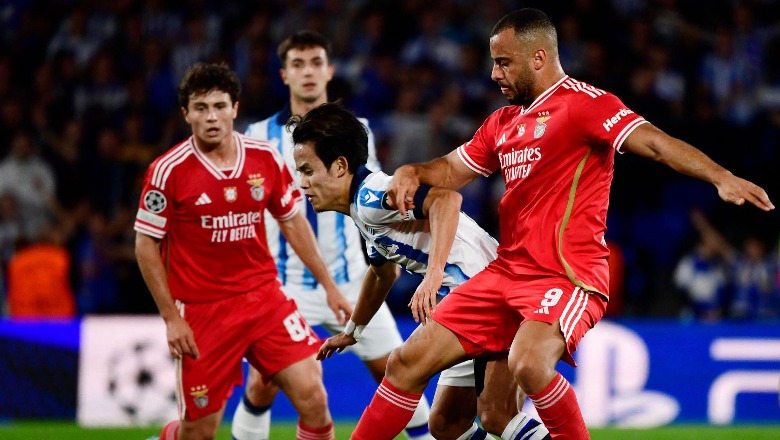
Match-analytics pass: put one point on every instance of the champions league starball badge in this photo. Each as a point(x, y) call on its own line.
point(155, 202)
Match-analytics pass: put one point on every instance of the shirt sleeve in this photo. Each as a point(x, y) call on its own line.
point(372, 206)
point(285, 195)
point(154, 207)
point(605, 120)
point(478, 153)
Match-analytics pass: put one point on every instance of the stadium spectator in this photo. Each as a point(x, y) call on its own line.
point(702, 274)
point(39, 278)
point(29, 178)
point(756, 296)
point(73, 36)
point(201, 211)
point(438, 244)
point(555, 146)
point(306, 70)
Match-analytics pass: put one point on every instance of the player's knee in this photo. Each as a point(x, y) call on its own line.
point(312, 402)
point(260, 394)
point(529, 371)
point(399, 362)
point(442, 427)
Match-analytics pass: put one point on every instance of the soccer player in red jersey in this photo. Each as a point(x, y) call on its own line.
point(202, 251)
point(555, 146)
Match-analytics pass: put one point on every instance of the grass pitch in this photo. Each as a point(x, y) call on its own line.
point(40, 430)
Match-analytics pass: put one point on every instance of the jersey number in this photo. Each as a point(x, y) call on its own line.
point(552, 297)
point(296, 327)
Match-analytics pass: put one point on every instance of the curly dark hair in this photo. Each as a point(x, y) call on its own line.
point(202, 78)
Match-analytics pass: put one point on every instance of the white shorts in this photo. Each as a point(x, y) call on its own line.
point(459, 375)
point(380, 336)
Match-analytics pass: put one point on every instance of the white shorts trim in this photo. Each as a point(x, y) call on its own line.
point(459, 375)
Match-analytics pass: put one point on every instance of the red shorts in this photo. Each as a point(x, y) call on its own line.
point(266, 329)
point(486, 311)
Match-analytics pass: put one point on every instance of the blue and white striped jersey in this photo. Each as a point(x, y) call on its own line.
point(390, 237)
point(338, 238)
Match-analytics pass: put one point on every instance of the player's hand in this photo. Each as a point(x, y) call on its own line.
point(400, 193)
point(335, 344)
point(737, 190)
point(339, 304)
point(423, 302)
point(181, 340)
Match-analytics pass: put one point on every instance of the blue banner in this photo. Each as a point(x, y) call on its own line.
point(630, 373)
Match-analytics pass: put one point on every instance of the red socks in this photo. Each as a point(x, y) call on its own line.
point(306, 433)
point(558, 408)
point(169, 431)
point(387, 414)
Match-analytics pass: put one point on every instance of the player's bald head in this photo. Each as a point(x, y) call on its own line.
point(532, 27)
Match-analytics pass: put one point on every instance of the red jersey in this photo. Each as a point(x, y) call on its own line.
point(211, 220)
point(557, 159)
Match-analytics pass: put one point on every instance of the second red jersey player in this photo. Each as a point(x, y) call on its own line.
point(218, 247)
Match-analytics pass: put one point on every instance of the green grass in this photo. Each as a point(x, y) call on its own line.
point(282, 431)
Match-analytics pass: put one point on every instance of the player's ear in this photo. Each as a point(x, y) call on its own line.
point(540, 58)
point(342, 166)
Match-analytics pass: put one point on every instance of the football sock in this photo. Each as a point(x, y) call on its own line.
point(558, 408)
point(525, 427)
point(473, 433)
point(251, 422)
point(387, 414)
point(169, 431)
point(417, 428)
point(306, 433)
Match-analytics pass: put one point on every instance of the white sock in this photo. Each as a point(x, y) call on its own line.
point(525, 427)
point(249, 426)
point(417, 428)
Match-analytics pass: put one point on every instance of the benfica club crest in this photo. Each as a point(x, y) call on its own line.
point(257, 190)
point(199, 395)
point(540, 126)
point(231, 193)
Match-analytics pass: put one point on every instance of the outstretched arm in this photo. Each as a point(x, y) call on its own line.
point(649, 141)
point(446, 172)
point(442, 208)
point(376, 285)
point(181, 340)
point(298, 233)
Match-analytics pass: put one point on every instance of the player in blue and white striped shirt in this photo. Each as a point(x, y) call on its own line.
point(435, 240)
point(306, 70)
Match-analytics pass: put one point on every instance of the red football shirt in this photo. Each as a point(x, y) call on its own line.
point(211, 220)
point(557, 159)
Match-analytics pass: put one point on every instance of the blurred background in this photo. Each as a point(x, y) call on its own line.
point(87, 100)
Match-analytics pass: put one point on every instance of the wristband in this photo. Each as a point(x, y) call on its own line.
point(353, 330)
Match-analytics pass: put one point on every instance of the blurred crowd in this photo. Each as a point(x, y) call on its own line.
point(87, 100)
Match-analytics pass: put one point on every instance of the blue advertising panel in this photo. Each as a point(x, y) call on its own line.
point(640, 373)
